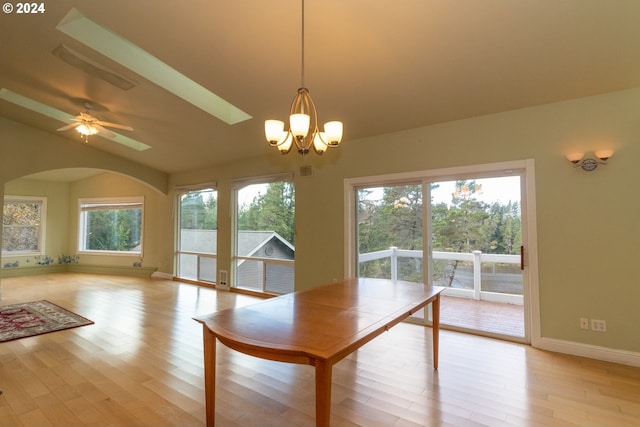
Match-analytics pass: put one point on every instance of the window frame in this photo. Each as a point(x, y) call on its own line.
point(179, 250)
point(108, 201)
point(42, 231)
point(237, 185)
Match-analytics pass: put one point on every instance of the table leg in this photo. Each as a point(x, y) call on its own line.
point(210, 375)
point(435, 314)
point(323, 393)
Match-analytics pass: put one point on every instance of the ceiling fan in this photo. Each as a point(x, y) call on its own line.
point(88, 125)
point(44, 109)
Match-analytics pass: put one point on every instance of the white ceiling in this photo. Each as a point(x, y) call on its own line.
point(377, 65)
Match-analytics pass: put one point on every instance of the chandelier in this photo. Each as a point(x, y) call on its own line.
point(303, 123)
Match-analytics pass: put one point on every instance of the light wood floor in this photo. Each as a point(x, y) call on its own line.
point(141, 365)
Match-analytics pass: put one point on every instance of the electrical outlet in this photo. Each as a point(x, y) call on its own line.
point(599, 325)
point(223, 277)
point(223, 282)
point(584, 323)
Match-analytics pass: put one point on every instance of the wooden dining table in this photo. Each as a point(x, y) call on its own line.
point(317, 327)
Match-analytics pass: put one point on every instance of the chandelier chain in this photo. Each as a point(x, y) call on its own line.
point(302, 50)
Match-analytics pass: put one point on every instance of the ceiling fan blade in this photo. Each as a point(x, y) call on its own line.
point(71, 126)
point(114, 125)
point(104, 131)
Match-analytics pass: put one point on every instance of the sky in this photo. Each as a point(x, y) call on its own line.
point(503, 190)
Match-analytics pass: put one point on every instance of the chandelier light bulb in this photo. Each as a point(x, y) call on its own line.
point(319, 142)
point(299, 125)
point(285, 146)
point(274, 131)
point(333, 131)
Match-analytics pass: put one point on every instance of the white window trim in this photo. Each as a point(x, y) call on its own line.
point(43, 226)
point(182, 189)
point(109, 200)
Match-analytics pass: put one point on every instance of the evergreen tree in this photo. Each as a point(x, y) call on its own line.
point(113, 229)
point(199, 210)
point(272, 211)
point(465, 224)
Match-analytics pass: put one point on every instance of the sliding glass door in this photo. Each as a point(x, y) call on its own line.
point(467, 238)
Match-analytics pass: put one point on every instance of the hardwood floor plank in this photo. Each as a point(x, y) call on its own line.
point(141, 364)
point(7, 417)
point(33, 418)
point(56, 411)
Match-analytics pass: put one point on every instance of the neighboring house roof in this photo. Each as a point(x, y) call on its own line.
point(249, 242)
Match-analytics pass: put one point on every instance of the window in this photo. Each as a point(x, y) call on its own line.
point(197, 234)
point(111, 225)
point(264, 248)
point(23, 225)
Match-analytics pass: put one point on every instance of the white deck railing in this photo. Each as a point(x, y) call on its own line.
point(199, 266)
point(475, 277)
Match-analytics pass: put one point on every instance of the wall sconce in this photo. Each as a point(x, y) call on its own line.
point(589, 164)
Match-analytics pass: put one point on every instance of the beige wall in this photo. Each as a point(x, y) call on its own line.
point(24, 151)
point(588, 231)
point(587, 222)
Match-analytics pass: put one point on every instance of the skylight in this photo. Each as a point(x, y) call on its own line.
point(121, 50)
point(56, 114)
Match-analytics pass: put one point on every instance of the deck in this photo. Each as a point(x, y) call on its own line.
point(484, 316)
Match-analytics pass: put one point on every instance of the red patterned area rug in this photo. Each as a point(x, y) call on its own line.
point(36, 318)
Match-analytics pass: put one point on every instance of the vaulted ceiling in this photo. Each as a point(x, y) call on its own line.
point(378, 65)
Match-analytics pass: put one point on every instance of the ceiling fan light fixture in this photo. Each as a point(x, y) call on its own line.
point(86, 130)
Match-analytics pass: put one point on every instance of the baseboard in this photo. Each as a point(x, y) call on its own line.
point(591, 351)
point(115, 270)
point(161, 275)
point(30, 271)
